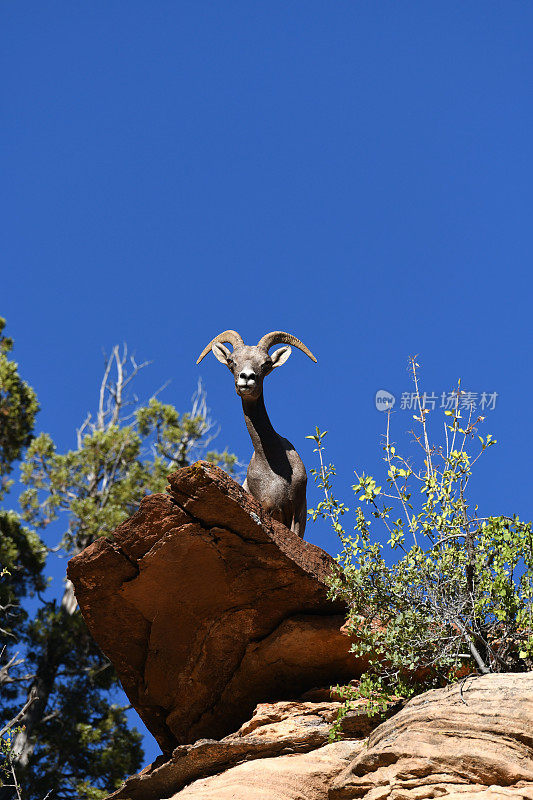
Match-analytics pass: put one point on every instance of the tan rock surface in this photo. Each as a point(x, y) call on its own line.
point(275, 729)
point(473, 739)
point(206, 606)
point(292, 777)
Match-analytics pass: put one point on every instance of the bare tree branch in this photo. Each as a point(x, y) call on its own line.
point(17, 717)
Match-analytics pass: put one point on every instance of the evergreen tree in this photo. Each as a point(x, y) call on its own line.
point(18, 407)
point(73, 740)
point(21, 550)
point(22, 554)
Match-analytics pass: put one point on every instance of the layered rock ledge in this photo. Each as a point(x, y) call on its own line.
point(299, 729)
point(469, 741)
point(207, 607)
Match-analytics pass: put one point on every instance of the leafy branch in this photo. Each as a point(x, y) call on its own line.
point(459, 599)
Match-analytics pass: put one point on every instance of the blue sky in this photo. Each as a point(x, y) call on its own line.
point(356, 173)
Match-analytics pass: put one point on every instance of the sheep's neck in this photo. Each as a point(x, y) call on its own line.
point(267, 443)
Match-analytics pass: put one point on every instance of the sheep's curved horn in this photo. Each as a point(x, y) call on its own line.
point(232, 337)
point(280, 337)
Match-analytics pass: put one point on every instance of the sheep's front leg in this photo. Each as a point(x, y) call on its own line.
point(299, 524)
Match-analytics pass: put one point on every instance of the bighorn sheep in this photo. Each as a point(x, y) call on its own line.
point(276, 475)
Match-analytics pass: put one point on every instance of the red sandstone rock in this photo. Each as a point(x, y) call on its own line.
point(470, 740)
point(206, 606)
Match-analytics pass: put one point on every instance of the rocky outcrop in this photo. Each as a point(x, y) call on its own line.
point(276, 729)
point(206, 607)
point(472, 739)
point(292, 777)
point(209, 609)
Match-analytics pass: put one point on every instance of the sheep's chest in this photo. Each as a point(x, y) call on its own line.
point(273, 491)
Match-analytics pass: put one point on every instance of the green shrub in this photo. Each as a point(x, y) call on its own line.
point(458, 600)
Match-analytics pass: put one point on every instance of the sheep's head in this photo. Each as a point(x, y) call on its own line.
point(250, 364)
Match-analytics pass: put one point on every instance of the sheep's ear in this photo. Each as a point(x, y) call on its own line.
point(221, 352)
point(280, 356)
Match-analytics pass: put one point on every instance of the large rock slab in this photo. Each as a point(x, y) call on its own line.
point(287, 727)
point(283, 728)
point(470, 740)
point(291, 777)
point(206, 607)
